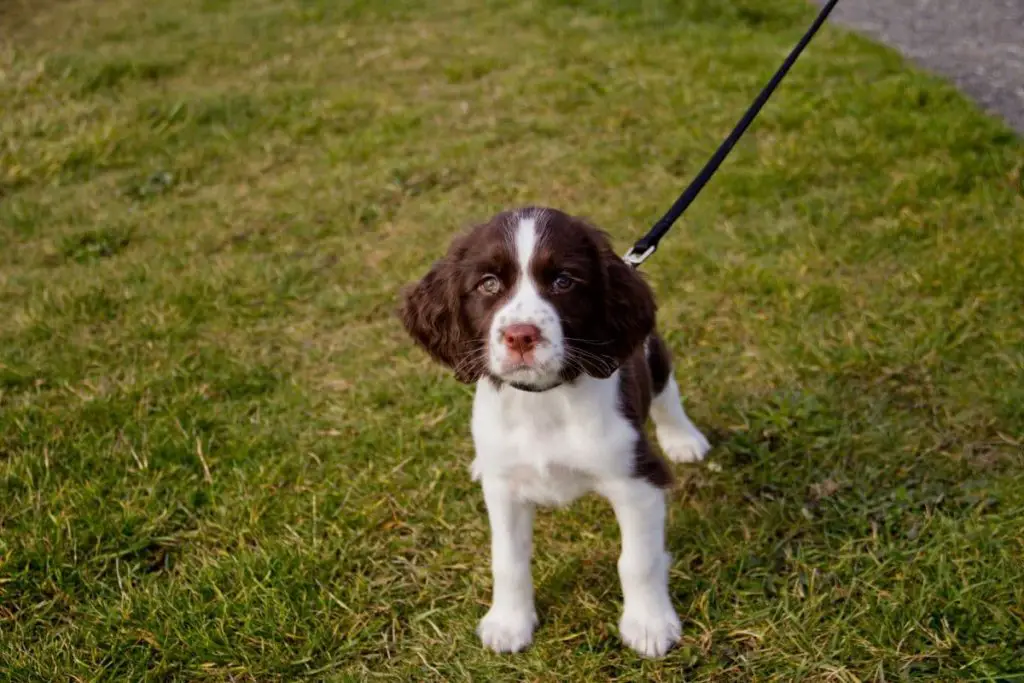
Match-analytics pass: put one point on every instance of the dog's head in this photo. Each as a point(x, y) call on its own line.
point(534, 298)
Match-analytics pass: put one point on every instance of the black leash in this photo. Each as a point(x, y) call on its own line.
point(647, 244)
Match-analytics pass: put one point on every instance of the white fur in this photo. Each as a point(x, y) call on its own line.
point(649, 623)
point(527, 306)
point(509, 624)
point(549, 448)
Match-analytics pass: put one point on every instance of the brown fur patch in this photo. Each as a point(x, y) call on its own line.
point(635, 385)
point(659, 362)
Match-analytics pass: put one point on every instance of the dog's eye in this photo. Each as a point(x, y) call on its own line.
point(490, 285)
point(562, 283)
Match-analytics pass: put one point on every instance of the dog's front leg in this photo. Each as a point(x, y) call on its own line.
point(508, 626)
point(649, 623)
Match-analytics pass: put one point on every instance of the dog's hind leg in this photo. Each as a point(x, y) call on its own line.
point(678, 437)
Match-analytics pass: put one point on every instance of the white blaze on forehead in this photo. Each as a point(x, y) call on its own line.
point(525, 237)
point(527, 305)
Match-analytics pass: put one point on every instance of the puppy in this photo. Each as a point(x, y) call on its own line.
point(557, 332)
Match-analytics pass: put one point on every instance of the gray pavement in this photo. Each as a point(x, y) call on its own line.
point(977, 44)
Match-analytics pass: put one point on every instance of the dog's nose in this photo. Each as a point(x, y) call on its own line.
point(521, 338)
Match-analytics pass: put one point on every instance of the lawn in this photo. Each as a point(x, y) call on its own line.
point(222, 460)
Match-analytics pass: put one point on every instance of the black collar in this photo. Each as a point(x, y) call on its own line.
point(499, 383)
point(534, 390)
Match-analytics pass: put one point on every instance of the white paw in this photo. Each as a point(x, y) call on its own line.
point(680, 446)
point(651, 634)
point(507, 630)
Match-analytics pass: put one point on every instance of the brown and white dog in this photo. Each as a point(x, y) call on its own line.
point(557, 332)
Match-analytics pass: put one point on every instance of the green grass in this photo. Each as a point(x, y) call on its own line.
point(221, 459)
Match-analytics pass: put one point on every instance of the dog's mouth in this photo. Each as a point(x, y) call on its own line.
point(521, 365)
point(521, 372)
point(530, 382)
point(530, 375)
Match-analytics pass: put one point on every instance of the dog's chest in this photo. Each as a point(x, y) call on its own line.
point(551, 447)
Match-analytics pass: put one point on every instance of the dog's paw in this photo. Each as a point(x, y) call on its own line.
point(650, 633)
point(683, 446)
point(507, 630)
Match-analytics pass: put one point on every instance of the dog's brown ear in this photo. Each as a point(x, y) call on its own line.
point(629, 304)
point(431, 312)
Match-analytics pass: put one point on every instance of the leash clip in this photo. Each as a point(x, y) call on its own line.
point(634, 259)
